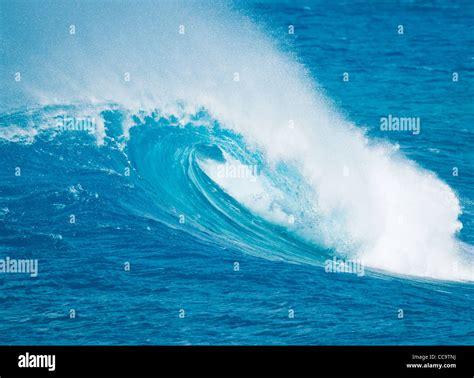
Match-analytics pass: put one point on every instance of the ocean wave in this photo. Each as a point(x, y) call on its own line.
point(185, 119)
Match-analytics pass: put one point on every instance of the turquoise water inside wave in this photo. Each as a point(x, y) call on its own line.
point(162, 251)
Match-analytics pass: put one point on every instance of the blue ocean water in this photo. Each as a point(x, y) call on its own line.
point(140, 225)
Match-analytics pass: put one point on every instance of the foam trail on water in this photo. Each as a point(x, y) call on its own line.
point(365, 199)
